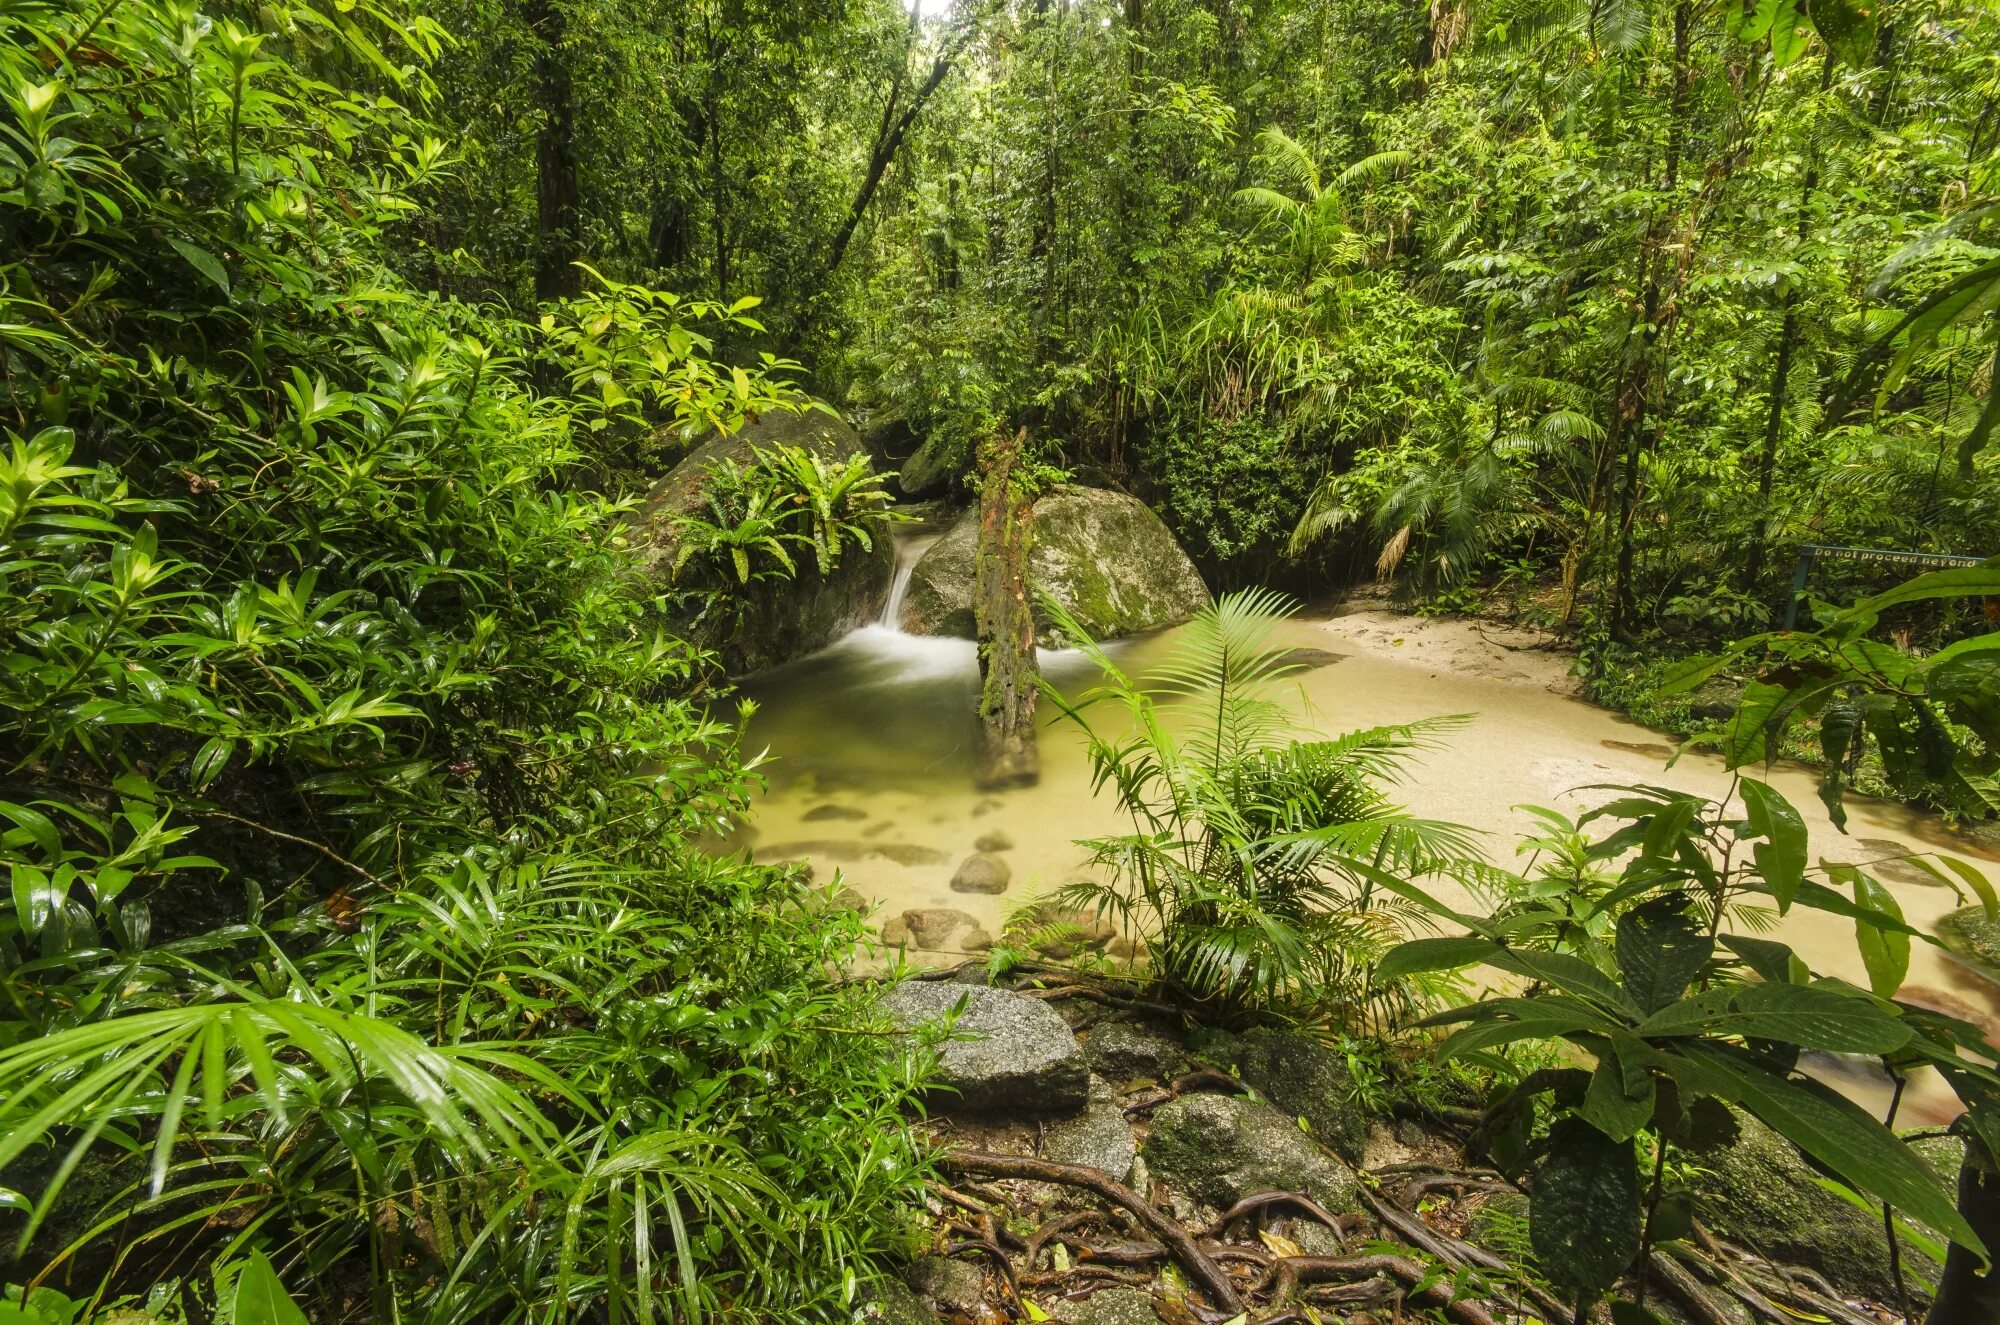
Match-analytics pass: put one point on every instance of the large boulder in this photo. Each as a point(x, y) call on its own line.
point(1103, 555)
point(775, 620)
point(1010, 1054)
point(1221, 1148)
point(935, 467)
point(1123, 1053)
point(1759, 1190)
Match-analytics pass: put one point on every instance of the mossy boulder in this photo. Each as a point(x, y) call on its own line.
point(771, 621)
point(1968, 935)
point(1009, 1054)
point(1103, 555)
point(1760, 1191)
point(1221, 1148)
point(935, 467)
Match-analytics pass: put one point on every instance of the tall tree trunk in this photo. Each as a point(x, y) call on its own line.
point(558, 210)
point(1005, 620)
point(1634, 399)
point(1781, 368)
point(1966, 1295)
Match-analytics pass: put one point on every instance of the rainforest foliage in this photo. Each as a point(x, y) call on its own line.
point(359, 957)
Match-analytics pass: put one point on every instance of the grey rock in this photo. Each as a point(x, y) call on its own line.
point(1308, 1080)
point(1103, 555)
point(1759, 1190)
point(1122, 1052)
point(982, 872)
point(1098, 1138)
point(994, 842)
point(1020, 1056)
point(946, 1284)
point(1109, 1306)
point(976, 940)
point(932, 928)
point(1220, 1149)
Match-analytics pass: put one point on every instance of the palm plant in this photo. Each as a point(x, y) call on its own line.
point(1261, 870)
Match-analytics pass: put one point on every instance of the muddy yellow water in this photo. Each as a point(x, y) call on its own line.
point(871, 774)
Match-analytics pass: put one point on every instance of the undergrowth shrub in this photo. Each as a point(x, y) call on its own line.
point(350, 775)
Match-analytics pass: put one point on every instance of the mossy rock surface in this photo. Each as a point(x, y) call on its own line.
point(1307, 1080)
point(1105, 556)
point(934, 469)
point(1975, 940)
point(1222, 1148)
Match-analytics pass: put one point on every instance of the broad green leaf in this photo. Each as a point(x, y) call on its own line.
point(204, 262)
point(1744, 740)
point(1976, 881)
point(1978, 581)
point(1816, 1017)
point(260, 1299)
point(1770, 959)
point(1584, 1222)
point(1838, 1134)
point(1660, 952)
point(1781, 854)
point(1618, 1101)
point(1885, 953)
point(1436, 954)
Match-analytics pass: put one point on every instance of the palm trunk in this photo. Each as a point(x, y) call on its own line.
point(558, 207)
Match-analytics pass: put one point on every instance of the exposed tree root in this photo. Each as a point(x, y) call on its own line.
point(1204, 1272)
point(1294, 1271)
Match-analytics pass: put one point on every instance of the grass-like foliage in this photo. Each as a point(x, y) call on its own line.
point(355, 948)
point(1263, 871)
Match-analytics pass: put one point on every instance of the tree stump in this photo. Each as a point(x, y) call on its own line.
point(1004, 620)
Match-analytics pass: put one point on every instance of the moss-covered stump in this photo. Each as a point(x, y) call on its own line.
point(1220, 1149)
point(772, 621)
point(1760, 1191)
point(1103, 555)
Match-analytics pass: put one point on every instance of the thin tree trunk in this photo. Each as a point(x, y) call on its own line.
point(1634, 399)
point(1004, 620)
point(1781, 368)
point(557, 207)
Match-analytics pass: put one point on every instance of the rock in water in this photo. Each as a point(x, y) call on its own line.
point(994, 842)
point(777, 620)
point(928, 927)
point(1308, 1080)
point(1103, 555)
point(1758, 1190)
point(1220, 1149)
point(1969, 935)
point(1109, 1306)
point(1019, 1057)
point(1097, 1138)
point(982, 872)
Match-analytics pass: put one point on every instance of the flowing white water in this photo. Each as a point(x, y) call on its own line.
point(908, 551)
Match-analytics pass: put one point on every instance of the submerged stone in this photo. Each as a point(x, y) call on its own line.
point(1221, 1148)
point(1970, 936)
point(822, 813)
point(994, 842)
point(929, 928)
point(1016, 1055)
point(982, 872)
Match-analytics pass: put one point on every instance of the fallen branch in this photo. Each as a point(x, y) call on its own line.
point(1688, 1291)
point(1454, 1252)
point(1251, 1204)
point(1203, 1271)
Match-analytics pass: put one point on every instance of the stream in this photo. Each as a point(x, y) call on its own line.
point(871, 772)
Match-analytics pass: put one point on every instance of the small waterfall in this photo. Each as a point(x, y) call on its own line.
point(909, 551)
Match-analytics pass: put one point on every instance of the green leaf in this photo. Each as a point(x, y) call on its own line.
point(1631, 1313)
point(204, 262)
point(1781, 855)
point(1885, 953)
point(1837, 1134)
point(1619, 1099)
point(1847, 28)
point(1438, 954)
point(1981, 581)
point(1816, 1017)
point(1660, 952)
point(1743, 741)
point(260, 1298)
point(1770, 959)
point(1975, 881)
point(1584, 1223)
